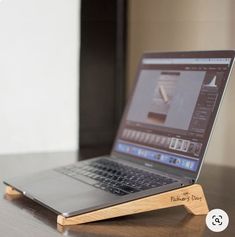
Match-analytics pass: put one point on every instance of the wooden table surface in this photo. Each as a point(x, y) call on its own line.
point(24, 218)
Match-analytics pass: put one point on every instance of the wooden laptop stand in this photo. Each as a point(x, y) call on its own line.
point(191, 197)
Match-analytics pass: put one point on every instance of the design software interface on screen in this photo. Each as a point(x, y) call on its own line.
point(170, 110)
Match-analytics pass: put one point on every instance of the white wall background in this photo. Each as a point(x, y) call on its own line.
point(188, 25)
point(39, 42)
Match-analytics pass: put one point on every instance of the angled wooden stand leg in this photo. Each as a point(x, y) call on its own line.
point(11, 191)
point(192, 197)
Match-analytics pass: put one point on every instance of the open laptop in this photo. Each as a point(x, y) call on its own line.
point(161, 141)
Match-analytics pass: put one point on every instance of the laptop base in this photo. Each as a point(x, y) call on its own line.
point(191, 197)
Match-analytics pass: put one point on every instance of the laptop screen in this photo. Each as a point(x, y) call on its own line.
point(172, 108)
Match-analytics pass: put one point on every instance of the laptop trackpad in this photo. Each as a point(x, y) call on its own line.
point(64, 194)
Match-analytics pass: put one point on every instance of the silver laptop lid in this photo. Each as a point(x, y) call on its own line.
point(169, 116)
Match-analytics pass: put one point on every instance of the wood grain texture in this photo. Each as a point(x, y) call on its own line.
point(192, 197)
point(186, 223)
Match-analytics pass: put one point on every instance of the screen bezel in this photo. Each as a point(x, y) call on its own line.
point(193, 175)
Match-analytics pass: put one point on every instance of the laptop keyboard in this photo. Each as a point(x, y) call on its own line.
point(114, 177)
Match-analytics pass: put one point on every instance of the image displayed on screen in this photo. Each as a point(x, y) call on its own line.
point(166, 98)
point(170, 112)
point(163, 96)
